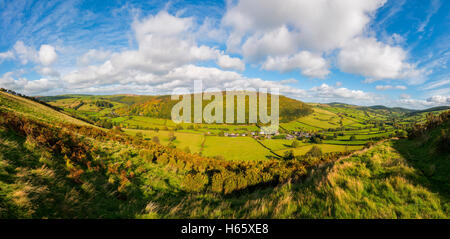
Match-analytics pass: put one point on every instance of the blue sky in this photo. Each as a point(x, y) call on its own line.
point(393, 53)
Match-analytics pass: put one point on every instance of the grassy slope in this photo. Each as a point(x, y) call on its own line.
point(326, 148)
point(34, 110)
point(380, 183)
point(426, 154)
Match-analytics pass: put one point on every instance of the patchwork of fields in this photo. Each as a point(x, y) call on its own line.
point(341, 128)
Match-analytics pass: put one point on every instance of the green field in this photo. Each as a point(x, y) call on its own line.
point(182, 141)
point(326, 148)
point(239, 148)
point(279, 144)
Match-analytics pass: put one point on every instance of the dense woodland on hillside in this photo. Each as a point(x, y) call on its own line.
point(56, 166)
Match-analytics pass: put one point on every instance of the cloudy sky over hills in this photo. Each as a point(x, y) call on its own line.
point(368, 52)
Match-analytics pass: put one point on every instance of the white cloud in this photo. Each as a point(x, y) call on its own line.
point(26, 86)
point(274, 43)
point(7, 81)
point(320, 24)
point(48, 71)
point(376, 61)
point(47, 55)
point(273, 33)
point(165, 42)
point(325, 91)
point(279, 35)
point(6, 55)
point(405, 96)
point(437, 84)
point(166, 45)
point(395, 39)
point(311, 65)
point(289, 81)
point(435, 5)
point(230, 63)
point(25, 53)
point(390, 87)
point(93, 56)
point(39, 86)
point(439, 99)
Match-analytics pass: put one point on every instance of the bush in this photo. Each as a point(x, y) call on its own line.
point(288, 155)
point(139, 135)
point(172, 136)
point(314, 152)
point(155, 139)
point(195, 182)
point(315, 140)
point(217, 183)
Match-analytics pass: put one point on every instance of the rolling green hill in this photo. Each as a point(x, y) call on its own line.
point(160, 106)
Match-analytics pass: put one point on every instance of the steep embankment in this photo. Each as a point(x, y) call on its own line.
point(379, 183)
point(34, 110)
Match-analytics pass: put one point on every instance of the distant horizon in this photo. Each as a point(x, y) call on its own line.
point(307, 102)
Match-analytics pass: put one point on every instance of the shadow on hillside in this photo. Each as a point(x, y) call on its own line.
point(434, 166)
point(39, 178)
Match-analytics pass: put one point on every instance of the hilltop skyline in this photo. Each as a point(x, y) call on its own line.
point(392, 53)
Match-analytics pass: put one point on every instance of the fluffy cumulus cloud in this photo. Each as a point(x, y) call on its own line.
point(320, 24)
point(278, 36)
point(325, 91)
point(165, 44)
point(376, 60)
point(6, 55)
point(310, 64)
point(25, 53)
point(226, 62)
point(47, 55)
point(9, 80)
point(41, 85)
point(93, 56)
point(48, 71)
point(437, 100)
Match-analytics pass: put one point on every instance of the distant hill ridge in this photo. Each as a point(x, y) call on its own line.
point(160, 106)
point(391, 109)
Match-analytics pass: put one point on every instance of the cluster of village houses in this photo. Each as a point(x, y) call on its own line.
point(292, 135)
